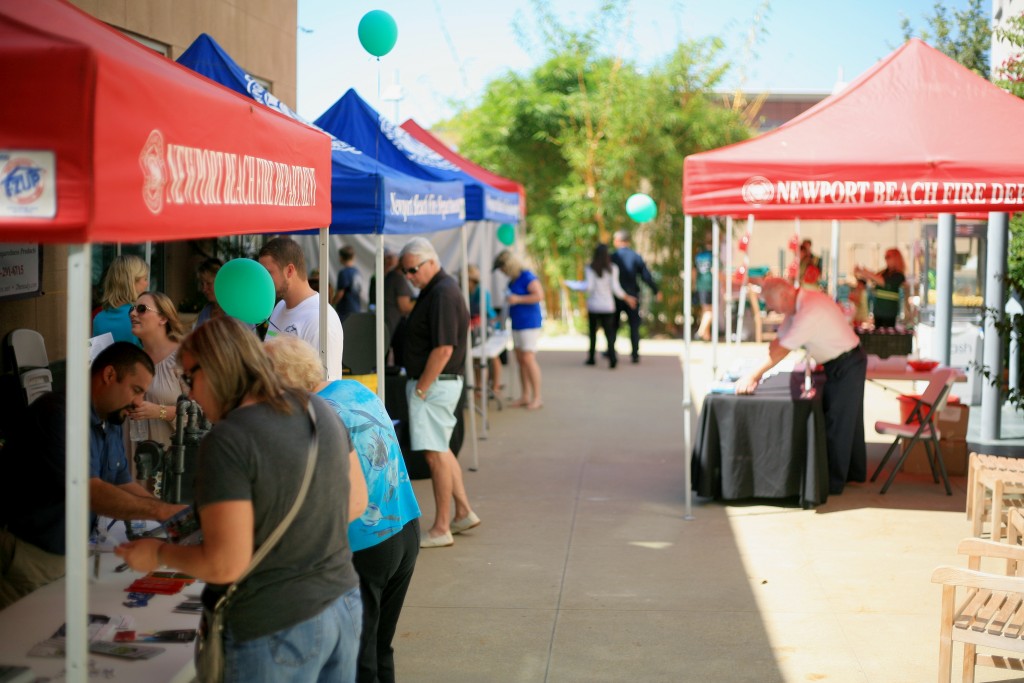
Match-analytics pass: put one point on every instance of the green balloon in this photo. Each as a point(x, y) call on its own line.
point(378, 32)
point(506, 234)
point(245, 290)
point(641, 208)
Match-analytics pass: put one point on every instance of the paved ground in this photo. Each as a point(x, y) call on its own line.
point(584, 568)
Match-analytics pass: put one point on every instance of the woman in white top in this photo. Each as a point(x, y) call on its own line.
point(602, 289)
point(156, 323)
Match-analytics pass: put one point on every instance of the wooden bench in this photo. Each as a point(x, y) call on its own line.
point(981, 608)
point(994, 484)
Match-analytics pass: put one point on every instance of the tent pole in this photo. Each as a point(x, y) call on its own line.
point(378, 319)
point(715, 302)
point(945, 247)
point(687, 365)
point(76, 477)
point(467, 386)
point(833, 276)
point(995, 300)
point(728, 281)
point(796, 275)
point(325, 296)
point(744, 287)
point(483, 345)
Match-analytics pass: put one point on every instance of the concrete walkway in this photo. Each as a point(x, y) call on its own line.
point(584, 568)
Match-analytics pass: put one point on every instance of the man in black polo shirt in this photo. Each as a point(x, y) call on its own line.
point(435, 356)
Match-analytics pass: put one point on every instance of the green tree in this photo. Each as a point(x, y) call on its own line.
point(585, 129)
point(966, 37)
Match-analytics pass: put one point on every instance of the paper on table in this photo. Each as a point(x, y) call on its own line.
point(721, 387)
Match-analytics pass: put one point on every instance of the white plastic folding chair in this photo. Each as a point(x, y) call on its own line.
point(920, 426)
point(28, 360)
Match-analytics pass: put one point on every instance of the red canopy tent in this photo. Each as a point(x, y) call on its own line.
point(916, 134)
point(125, 145)
point(102, 139)
point(479, 172)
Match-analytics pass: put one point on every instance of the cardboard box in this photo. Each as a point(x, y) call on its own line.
point(954, 454)
point(953, 422)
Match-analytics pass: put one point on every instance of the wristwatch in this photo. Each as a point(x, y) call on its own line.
point(421, 393)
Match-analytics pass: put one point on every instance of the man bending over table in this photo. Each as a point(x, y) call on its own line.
point(32, 534)
point(818, 324)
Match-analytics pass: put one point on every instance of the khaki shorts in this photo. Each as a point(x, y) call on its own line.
point(526, 340)
point(432, 418)
point(24, 568)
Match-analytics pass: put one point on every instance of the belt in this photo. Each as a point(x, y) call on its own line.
point(843, 355)
point(442, 377)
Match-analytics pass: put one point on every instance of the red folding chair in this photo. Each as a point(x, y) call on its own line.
point(922, 425)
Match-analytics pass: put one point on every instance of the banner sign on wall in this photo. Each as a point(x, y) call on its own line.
point(21, 270)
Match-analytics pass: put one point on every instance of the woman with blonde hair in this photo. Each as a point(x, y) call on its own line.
point(524, 296)
point(126, 278)
point(296, 614)
point(385, 539)
point(155, 322)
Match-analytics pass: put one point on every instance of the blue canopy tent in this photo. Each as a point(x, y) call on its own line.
point(355, 120)
point(367, 195)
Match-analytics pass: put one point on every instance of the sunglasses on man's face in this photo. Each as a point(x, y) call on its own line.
point(140, 309)
point(415, 269)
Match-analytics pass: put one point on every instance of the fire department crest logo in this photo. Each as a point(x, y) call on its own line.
point(758, 190)
point(154, 171)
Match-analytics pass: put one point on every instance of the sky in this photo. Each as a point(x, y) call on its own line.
point(448, 50)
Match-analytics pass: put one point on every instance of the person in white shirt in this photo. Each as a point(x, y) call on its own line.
point(816, 322)
point(602, 289)
point(298, 310)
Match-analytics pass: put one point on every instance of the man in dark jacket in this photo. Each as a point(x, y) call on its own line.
point(631, 269)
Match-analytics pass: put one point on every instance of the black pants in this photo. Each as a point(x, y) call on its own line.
point(609, 322)
point(385, 571)
point(843, 401)
point(633, 317)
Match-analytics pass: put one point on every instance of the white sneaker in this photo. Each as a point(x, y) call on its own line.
point(466, 523)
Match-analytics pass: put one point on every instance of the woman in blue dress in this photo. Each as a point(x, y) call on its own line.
point(524, 296)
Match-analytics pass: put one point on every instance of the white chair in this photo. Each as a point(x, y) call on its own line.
point(27, 352)
point(920, 427)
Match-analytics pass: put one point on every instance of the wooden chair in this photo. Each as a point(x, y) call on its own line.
point(766, 323)
point(994, 484)
point(981, 608)
point(920, 427)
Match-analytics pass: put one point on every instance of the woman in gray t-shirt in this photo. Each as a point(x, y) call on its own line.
point(303, 598)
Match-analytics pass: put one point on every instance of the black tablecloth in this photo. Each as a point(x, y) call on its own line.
point(768, 445)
